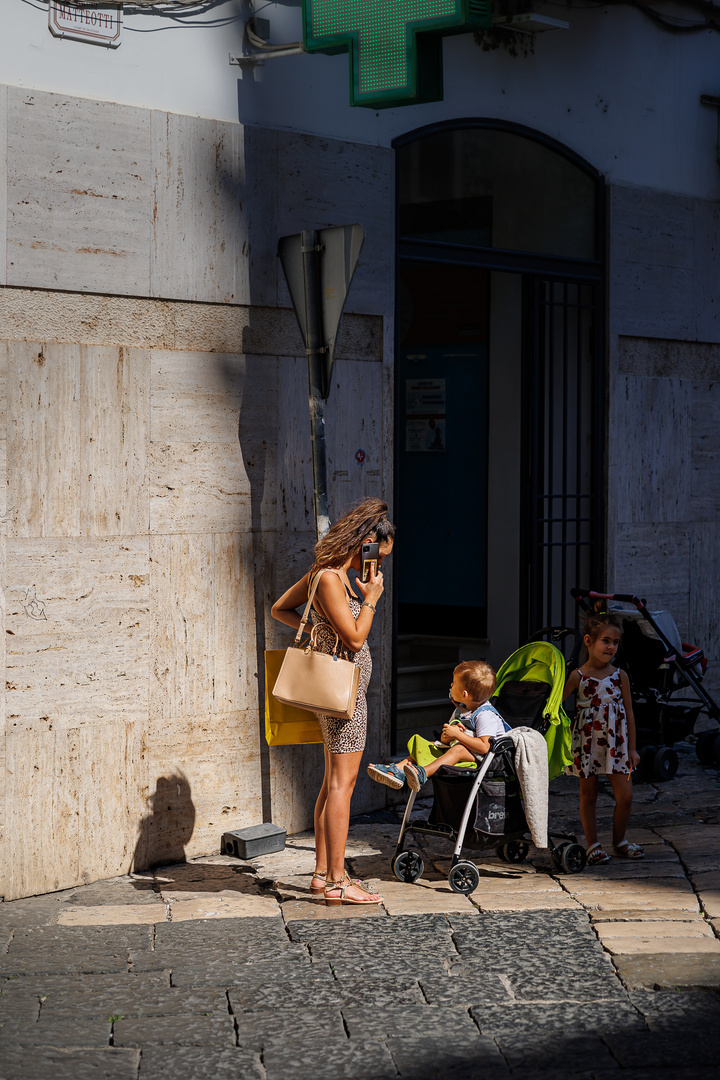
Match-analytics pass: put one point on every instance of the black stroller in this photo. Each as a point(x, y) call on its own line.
point(482, 807)
point(662, 670)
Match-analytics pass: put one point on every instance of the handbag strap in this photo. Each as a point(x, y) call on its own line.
point(306, 612)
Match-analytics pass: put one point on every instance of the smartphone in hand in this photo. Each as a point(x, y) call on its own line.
point(370, 560)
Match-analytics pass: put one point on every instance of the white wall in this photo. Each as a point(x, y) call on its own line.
point(614, 87)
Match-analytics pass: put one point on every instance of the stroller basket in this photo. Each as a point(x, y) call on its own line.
point(497, 813)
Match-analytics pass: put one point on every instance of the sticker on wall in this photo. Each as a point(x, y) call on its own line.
point(360, 457)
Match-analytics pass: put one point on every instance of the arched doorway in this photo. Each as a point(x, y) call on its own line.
point(499, 391)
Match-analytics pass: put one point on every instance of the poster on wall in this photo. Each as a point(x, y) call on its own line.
point(425, 415)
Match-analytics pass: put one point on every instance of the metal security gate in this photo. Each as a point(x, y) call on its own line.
point(564, 394)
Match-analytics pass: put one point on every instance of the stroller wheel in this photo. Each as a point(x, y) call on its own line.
point(513, 851)
point(408, 866)
point(573, 858)
point(464, 878)
point(664, 764)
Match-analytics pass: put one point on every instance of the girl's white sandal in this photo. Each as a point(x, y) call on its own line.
point(597, 855)
point(624, 850)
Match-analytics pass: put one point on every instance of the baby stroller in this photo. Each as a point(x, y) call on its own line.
point(661, 669)
point(480, 806)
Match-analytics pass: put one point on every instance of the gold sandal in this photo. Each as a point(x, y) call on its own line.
point(314, 890)
point(343, 885)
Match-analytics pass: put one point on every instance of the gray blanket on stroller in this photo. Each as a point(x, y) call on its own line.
point(531, 766)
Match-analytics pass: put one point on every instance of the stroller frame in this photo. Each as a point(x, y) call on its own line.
point(662, 762)
point(464, 876)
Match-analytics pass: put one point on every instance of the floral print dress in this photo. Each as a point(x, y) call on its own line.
point(599, 729)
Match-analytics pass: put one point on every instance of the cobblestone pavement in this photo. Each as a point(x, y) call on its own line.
point(224, 969)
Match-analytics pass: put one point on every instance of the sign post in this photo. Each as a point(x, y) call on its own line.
point(319, 266)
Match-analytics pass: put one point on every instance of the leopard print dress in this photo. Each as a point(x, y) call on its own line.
point(344, 736)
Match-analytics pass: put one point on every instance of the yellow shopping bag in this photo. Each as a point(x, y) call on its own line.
point(284, 724)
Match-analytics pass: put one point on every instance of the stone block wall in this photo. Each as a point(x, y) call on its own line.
point(155, 459)
point(663, 487)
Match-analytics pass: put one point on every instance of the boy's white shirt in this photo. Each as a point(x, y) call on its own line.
point(481, 722)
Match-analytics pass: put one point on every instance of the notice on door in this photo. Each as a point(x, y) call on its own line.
point(425, 415)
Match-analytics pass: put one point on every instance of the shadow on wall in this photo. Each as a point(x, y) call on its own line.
point(165, 831)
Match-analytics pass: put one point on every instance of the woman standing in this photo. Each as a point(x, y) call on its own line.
point(337, 610)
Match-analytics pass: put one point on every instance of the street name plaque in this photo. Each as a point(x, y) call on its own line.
point(98, 26)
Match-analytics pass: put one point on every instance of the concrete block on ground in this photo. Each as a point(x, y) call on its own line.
point(254, 840)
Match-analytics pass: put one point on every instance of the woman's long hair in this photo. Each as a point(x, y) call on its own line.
point(344, 538)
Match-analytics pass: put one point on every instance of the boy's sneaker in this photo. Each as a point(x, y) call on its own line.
point(389, 775)
point(415, 776)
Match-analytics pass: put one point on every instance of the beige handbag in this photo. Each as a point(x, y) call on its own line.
point(316, 681)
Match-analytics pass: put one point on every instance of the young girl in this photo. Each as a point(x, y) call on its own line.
point(603, 736)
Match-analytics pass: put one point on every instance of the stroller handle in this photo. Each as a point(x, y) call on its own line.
point(590, 594)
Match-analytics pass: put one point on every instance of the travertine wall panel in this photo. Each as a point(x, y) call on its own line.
point(80, 194)
point(653, 456)
point(42, 848)
point(704, 625)
point(200, 224)
point(3, 579)
point(705, 452)
point(653, 561)
point(203, 598)
point(354, 427)
point(114, 426)
point(78, 622)
point(85, 412)
point(3, 183)
point(45, 414)
point(213, 768)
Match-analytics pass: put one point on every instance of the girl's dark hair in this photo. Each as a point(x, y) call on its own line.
point(344, 538)
point(593, 624)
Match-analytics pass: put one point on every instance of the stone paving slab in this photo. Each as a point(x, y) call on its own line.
point(552, 1054)
point(41, 961)
point(421, 1055)
point(255, 1029)
point(642, 944)
point(54, 1063)
point(668, 1010)
point(663, 971)
point(658, 1049)
point(111, 914)
point(200, 1063)
point(70, 1032)
point(527, 1021)
point(121, 1002)
point(303, 1060)
point(210, 1030)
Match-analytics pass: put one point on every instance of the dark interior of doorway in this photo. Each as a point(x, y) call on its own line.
point(442, 400)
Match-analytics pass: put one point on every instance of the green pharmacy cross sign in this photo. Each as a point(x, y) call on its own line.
point(395, 46)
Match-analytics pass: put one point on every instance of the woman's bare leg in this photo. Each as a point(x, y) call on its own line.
point(343, 771)
point(320, 838)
